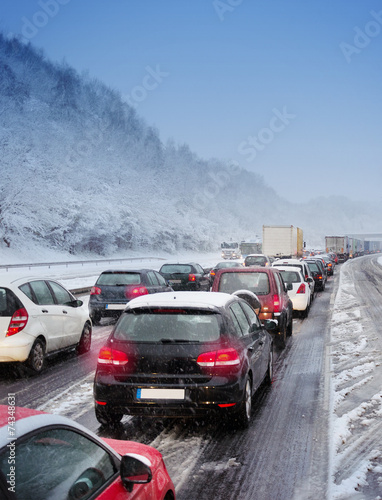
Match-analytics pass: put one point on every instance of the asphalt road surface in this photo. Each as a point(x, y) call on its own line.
point(282, 455)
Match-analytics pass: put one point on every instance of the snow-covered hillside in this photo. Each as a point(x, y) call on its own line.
point(81, 172)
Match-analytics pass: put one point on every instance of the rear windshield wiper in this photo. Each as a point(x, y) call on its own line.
point(178, 341)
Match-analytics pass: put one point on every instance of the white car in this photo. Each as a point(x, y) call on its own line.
point(298, 289)
point(304, 268)
point(39, 317)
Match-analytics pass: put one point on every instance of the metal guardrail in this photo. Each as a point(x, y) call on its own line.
point(76, 262)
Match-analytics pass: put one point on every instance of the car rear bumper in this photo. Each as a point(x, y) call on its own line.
point(15, 348)
point(197, 401)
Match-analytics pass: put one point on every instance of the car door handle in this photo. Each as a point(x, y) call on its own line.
point(44, 310)
point(65, 312)
point(250, 349)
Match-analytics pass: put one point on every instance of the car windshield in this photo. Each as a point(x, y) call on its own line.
point(290, 276)
point(119, 278)
point(165, 325)
point(257, 282)
point(176, 269)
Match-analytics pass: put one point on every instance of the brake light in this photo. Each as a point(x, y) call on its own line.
point(132, 291)
point(95, 290)
point(212, 273)
point(110, 356)
point(191, 277)
point(276, 303)
point(301, 288)
point(18, 322)
point(222, 357)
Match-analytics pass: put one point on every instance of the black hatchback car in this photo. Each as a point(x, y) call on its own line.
point(115, 288)
point(186, 277)
point(183, 354)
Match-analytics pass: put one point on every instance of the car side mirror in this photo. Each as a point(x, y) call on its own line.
point(75, 303)
point(271, 325)
point(134, 469)
point(289, 286)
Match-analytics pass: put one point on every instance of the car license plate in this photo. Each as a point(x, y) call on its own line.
point(160, 394)
point(115, 307)
point(175, 281)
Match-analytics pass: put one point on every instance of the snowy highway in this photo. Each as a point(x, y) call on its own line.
point(315, 434)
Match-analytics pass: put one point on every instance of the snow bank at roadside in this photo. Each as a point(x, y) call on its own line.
point(356, 399)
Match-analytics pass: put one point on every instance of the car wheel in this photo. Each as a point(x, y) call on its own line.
point(244, 414)
point(289, 328)
point(269, 374)
point(281, 337)
point(37, 356)
point(107, 418)
point(96, 317)
point(304, 314)
point(85, 340)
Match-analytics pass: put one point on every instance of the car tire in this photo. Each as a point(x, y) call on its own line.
point(243, 415)
point(289, 328)
point(304, 314)
point(85, 340)
point(281, 337)
point(36, 358)
point(269, 374)
point(107, 418)
point(96, 318)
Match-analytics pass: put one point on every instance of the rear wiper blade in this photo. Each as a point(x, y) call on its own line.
point(177, 341)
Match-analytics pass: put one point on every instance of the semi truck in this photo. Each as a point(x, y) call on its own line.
point(338, 244)
point(346, 247)
point(248, 247)
point(283, 241)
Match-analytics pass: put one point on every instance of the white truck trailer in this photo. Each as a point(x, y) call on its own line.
point(283, 241)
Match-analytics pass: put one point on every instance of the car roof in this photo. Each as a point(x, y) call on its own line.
point(257, 255)
point(180, 263)
point(289, 268)
point(287, 261)
point(202, 300)
point(28, 420)
point(127, 271)
point(20, 280)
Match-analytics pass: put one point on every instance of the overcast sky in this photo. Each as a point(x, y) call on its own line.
point(291, 89)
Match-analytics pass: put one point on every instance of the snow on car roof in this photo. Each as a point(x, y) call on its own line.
point(181, 299)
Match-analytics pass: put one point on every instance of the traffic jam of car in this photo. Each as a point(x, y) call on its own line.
point(185, 342)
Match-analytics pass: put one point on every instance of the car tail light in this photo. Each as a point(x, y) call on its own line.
point(212, 273)
point(301, 288)
point(95, 290)
point(191, 277)
point(276, 303)
point(110, 356)
point(18, 322)
point(222, 357)
point(132, 291)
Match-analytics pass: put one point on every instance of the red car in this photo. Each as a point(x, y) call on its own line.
point(268, 285)
point(44, 456)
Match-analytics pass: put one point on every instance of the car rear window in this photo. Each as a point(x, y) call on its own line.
point(313, 267)
point(176, 268)
point(9, 303)
point(164, 325)
point(257, 282)
point(290, 276)
point(119, 278)
point(253, 261)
